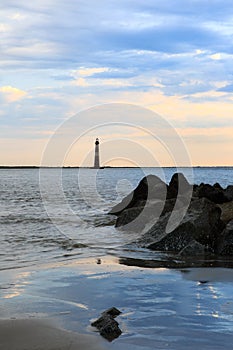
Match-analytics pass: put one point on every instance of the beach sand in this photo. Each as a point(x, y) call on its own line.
point(28, 334)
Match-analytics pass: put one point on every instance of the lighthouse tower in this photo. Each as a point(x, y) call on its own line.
point(97, 155)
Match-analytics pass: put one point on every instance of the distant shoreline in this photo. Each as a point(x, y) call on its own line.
point(107, 167)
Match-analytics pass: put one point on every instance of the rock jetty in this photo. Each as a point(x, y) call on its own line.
point(190, 220)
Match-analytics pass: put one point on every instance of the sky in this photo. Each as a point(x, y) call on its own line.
point(60, 59)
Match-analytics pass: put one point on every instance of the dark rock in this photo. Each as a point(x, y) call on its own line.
point(112, 311)
point(107, 325)
point(150, 187)
point(129, 215)
point(193, 248)
point(229, 192)
point(156, 188)
point(124, 204)
point(226, 244)
point(227, 211)
point(195, 191)
point(179, 218)
point(214, 193)
point(181, 203)
point(201, 223)
point(206, 217)
point(155, 233)
point(176, 240)
point(178, 184)
point(218, 186)
point(136, 219)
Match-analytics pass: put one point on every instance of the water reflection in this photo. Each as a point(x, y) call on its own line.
point(161, 308)
point(209, 274)
point(203, 267)
point(18, 286)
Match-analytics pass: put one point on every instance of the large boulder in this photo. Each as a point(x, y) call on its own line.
point(136, 219)
point(139, 218)
point(151, 187)
point(201, 224)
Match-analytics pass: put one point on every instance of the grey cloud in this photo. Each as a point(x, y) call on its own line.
point(62, 77)
point(80, 30)
point(115, 74)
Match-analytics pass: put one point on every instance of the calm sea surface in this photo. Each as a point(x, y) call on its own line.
point(57, 214)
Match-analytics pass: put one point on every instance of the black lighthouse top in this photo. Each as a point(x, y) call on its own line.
point(97, 141)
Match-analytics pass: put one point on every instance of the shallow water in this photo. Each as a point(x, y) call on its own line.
point(60, 214)
point(161, 308)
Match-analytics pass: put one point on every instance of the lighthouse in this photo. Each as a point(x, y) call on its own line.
point(97, 155)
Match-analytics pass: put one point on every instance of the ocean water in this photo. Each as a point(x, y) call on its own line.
point(62, 257)
point(53, 215)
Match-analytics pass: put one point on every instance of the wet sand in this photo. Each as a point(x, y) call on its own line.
point(27, 334)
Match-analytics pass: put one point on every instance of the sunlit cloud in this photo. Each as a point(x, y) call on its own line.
point(89, 71)
point(216, 56)
point(11, 94)
point(17, 16)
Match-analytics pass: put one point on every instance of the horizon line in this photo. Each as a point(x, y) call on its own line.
point(107, 167)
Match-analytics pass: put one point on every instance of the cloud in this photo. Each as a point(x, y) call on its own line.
point(216, 56)
point(86, 72)
point(114, 73)
point(65, 30)
point(60, 57)
point(11, 94)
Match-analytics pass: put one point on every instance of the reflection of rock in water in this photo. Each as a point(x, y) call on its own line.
point(173, 261)
point(209, 274)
